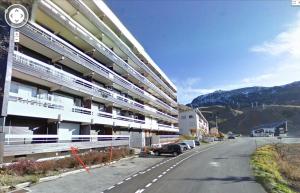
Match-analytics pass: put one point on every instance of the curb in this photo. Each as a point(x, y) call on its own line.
point(50, 178)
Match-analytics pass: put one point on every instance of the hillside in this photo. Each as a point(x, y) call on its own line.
point(243, 120)
point(252, 96)
point(242, 109)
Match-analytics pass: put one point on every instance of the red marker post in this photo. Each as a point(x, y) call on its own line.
point(74, 152)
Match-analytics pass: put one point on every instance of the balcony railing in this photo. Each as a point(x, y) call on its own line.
point(39, 69)
point(52, 10)
point(106, 30)
point(51, 41)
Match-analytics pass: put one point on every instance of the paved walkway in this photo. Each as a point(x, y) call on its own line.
point(99, 179)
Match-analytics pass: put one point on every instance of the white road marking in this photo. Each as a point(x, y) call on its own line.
point(140, 191)
point(164, 173)
point(110, 188)
point(120, 182)
point(168, 169)
point(128, 178)
point(148, 185)
point(148, 170)
point(135, 175)
point(154, 180)
point(214, 164)
point(159, 176)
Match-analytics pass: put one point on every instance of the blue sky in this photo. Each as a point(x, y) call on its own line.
point(205, 46)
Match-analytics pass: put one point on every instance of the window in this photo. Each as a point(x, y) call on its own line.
point(42, 94)
point(14, 87)
point(191, 116)
point(183, 117)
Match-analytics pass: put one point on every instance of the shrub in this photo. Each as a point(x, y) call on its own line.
point(22, 167)
point(45, 166)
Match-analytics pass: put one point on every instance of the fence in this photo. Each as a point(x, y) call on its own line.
point(32, 144)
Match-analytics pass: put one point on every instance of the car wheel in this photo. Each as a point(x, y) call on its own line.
point(175, 153)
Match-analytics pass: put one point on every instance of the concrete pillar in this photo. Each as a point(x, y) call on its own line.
point(2, 138)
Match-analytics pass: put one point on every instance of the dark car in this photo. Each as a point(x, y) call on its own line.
point(174, 149)
point(231, 137)
point(197, 143)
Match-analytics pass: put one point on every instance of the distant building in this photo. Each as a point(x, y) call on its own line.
point(192, 122)
point(268, 130)
point(214, 131)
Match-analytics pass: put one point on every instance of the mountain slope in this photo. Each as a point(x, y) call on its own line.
point(252, 96)
point(242, 109)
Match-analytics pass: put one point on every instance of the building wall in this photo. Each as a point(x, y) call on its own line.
point(79, 76)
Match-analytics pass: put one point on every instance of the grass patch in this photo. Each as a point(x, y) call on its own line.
point(267, 170)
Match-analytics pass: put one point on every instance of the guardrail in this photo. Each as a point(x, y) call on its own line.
point(37, 68)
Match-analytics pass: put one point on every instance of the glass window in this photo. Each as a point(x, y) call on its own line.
point(101, 107)
point(191, 116)
point(14, 87)
point(77, 102)
point(42, 94)
point(183, 117)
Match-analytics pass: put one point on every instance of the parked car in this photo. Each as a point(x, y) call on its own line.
point(231, 137)
point(184, 146)
point(190, 142)
point(197, 143)
point(174, 149)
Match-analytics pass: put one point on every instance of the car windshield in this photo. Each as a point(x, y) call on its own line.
point(140, 96)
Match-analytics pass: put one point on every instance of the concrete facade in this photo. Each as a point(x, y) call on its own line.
point(192, 122)
point(77, 70)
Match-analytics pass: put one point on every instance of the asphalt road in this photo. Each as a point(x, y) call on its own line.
point(222, 168)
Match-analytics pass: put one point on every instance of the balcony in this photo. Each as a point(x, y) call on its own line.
point(53, 11)
point(40, 70)
point(93, 18)
point(58, 45)
point(40, 108)
point(163, 127)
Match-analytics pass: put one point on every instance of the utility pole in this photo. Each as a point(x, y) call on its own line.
point(217, 122)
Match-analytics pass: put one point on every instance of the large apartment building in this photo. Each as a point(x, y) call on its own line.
point(76, 70)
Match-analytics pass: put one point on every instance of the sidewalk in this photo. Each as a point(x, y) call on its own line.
point(99, 179)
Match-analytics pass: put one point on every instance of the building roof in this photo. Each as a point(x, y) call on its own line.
point(271, 125)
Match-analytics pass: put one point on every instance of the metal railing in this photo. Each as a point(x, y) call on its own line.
point(106, 30)
point(74, 109)
point(77, 29)
point(12, 139)
point(55, 43)
point(37, 68)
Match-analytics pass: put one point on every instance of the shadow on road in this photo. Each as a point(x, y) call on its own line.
point(232, 179)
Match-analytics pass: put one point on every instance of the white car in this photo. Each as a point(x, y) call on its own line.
point(191, 143)
point(184, 146)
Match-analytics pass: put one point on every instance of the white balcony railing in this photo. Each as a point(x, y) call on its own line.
point(63, 18)
point(55, 43)
point(87, 12)
point(47, 72)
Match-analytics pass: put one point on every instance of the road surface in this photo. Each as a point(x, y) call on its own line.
point(223, 168)
point(215, 168)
